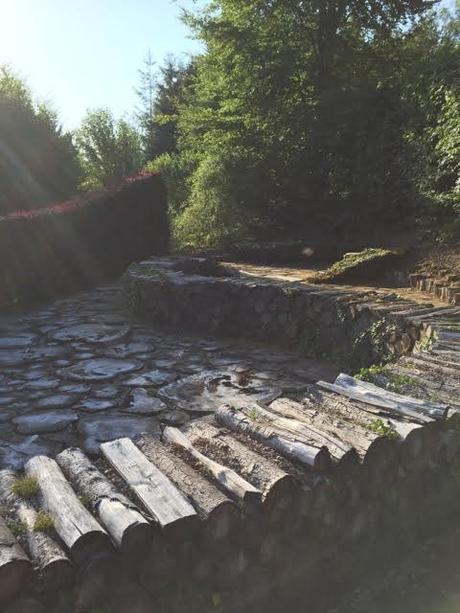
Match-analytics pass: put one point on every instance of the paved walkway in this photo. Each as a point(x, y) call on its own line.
point(78, 372)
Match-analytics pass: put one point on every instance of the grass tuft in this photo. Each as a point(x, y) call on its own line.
point(25, 487)
point(43, 522)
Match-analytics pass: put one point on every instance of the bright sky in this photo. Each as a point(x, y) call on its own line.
point(82, 54)
point(86, 53)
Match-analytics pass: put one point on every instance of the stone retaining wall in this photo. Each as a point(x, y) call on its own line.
point(353, 329)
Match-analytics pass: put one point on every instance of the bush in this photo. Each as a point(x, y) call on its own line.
point(83, 241)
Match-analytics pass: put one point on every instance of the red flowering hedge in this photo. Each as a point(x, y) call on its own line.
point(87, 240)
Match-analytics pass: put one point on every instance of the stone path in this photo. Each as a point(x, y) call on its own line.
point(78, 372)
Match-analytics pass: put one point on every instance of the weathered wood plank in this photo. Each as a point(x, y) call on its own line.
point(160, 497)
point(15, 567)
point(235, 485)
point(284, 444)
point(220, 513)
point(77, 528)
point(48, 556)
point(122, 519)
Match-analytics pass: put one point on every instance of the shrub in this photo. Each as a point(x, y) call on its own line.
point(83, 241)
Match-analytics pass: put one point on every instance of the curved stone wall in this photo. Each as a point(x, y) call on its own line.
point(351, 328)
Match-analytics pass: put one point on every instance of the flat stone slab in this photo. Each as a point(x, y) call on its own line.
point(154, 378)
point(17, 341)
point(98, 429)
point(57, 401)
point(95, 405)
point(15, 455)
point(100, 369)
point(92, 333)
point(40, 422)
point(144, 403)
point(204, 392)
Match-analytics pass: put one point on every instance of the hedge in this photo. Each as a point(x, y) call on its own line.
point(82, 242)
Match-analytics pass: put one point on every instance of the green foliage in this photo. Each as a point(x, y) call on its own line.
point(43, 522)
point(305, 116)
point(160, 93)
point(370, 373)
point(382, 428)
point(214, 215)
point(38, 162)
point(353, 263)
point(25, 487)
point(109, 149)
point(379, 373)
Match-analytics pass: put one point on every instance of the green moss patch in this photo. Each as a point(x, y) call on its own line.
point(358, 266)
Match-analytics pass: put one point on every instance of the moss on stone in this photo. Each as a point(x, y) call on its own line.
point(355, 265)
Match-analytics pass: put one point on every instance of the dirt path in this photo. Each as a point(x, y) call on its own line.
point(305, 275)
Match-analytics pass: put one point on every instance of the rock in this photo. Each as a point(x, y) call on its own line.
point(40, 422)
point(204, 392)
point(17, 341)
point(107, 391)
point(142, 402)
point(57, 401)
point(14, 454)
point(98, 429)
point(129, 349)
point(43, 384)
point(92, 333)
point(154, 377)
point(175, 417)
point(92, 405)
point(100, 369)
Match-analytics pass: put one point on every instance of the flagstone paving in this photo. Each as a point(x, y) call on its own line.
point(79, 372)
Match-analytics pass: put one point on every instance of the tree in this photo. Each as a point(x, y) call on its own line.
point(160, 94)
point(145, 113)
point(311, 95)
point(38, 162)
point(109, 149)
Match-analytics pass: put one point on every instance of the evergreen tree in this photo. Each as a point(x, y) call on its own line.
point(38, 162)
point(145, 113)
point(300, 119)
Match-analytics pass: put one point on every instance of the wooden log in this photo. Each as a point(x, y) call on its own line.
point(285, 445)
point(412, 408)
point(15, 567)
point(232, 483)
point(329, 431)
point(304, 432)
point(276, 484)
point(76, 527)
point(219, 512)
point(55, 568)
point(169, 507)
point(431, 384)
point(122, 519)
point(428, 361)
